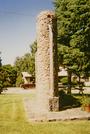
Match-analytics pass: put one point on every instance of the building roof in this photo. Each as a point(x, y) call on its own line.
point(26, 74)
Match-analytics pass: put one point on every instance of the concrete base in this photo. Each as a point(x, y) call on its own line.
point(70, 114)
point(54, 104)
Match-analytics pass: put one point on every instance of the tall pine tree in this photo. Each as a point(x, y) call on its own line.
point(73, 20)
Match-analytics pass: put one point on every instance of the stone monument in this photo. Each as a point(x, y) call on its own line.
point(46, 63)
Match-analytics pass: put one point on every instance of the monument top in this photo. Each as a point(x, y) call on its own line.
point(46, 14)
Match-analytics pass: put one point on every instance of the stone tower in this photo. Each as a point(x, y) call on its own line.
point(46, 62)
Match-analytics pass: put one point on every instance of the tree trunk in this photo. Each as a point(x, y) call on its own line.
point(79, 82)
point(69, 82)
point(80, 85)
point(0, 91)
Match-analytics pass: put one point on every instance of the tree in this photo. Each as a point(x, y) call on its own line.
point(26, 63)
point(73, 20)
point(0, 60)
point(33, 48)
point(8, 76)
point(1, 82)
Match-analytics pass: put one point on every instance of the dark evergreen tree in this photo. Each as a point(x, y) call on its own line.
point(73, 20)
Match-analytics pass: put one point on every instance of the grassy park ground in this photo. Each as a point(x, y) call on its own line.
point(13, 119)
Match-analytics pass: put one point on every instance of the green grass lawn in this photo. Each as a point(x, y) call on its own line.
point(13, 120)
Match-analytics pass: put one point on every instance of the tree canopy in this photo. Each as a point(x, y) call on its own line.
point(73, 23)
point(0, 60)
point(8, 76)
point(26, 63)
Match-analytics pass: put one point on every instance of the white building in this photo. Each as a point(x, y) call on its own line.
point(27, 77)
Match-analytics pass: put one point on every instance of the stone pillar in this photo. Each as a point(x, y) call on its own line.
point(46, 62)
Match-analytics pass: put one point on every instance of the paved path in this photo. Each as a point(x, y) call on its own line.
point(17, 90)
point(69, 114)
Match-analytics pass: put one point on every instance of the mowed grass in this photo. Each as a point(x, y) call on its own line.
point(13, 120)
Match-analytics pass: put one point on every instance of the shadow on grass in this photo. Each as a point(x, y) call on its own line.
point(68, 101)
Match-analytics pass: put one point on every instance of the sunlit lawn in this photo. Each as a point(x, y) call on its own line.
point(13, 120)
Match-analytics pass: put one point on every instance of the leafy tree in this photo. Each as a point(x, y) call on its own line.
point(8, 76)
point(73, 20)
point(0, 61)
point(1, 82)
point(19, 80)
point(33, 48)
point(26, 63)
